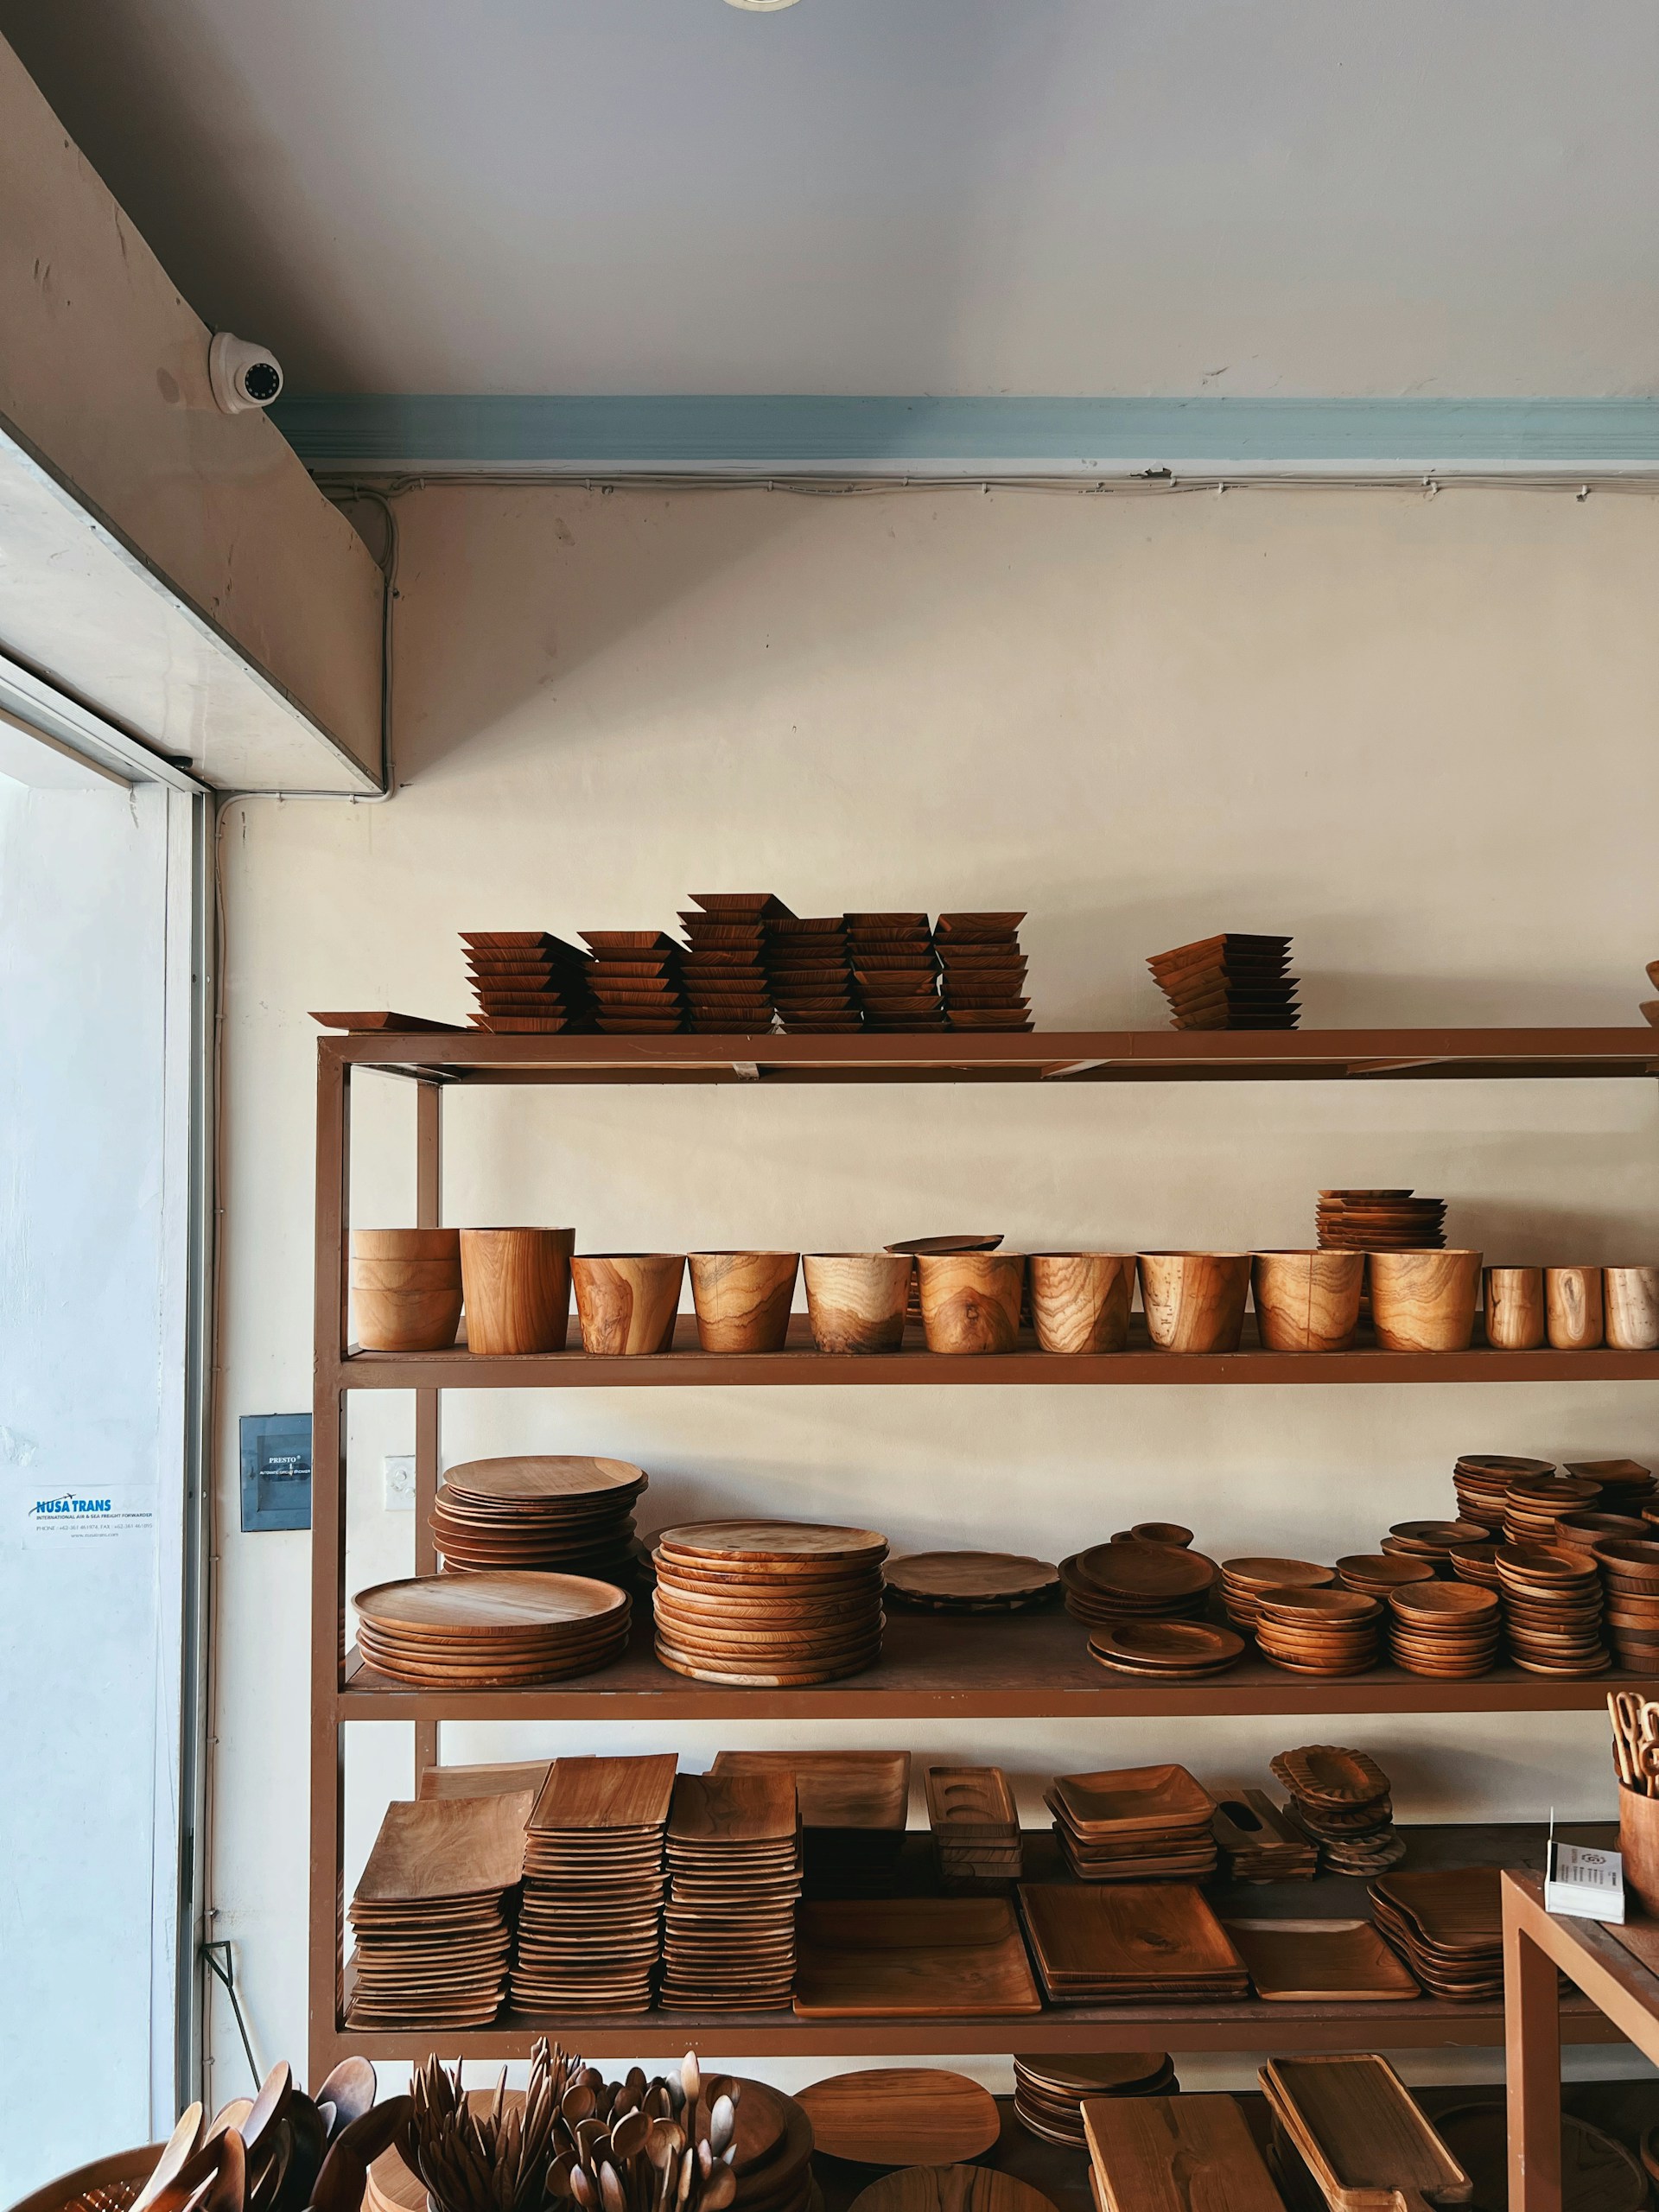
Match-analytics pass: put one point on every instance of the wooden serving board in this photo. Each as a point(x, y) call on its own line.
point(1365, 2141)
point(1175, 2154)
point(1320, 1961)
point(951, 2189)
point(899, 2116)
point(907, 1957)
point(447, 1846)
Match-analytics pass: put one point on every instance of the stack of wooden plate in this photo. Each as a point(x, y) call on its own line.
point(430, 1914)
point(1379, 1574)
point(1243, 1581)
point(1318, 1631)
point(1536, 1502)
point(735, 1880)
point(809, 976)
point(1049, 2091)
point(1551, 1609)
point(1130, 1581)
point(526, 982)
point(1257, 1841)
point(984, 971)
point(635, 981)
point(1482, 1481)
point(1139, 1943)
point(854, 1806)
point(772, 1604)
point(488, 1631)
point(1379, 1221)
point(1630, 1575)
point(1448, 1924)
point(1134, 1824)
point(1448, 1630)
point(972, 1582)
point(590, 1924)
point(772, 2141)
point(896, 970)
point(1588, 1532)
point(1627, 1485)
point(1166, 1651)
point(976, 1825)
point(1437, 1542)
point(559, 1513)
point(1342, 1800)
point(723, 968)
point(1232, 982)
point(1478, 1563)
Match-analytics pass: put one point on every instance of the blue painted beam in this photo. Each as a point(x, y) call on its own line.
point(693, 431)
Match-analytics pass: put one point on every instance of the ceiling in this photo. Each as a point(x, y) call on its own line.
point(1234, 197)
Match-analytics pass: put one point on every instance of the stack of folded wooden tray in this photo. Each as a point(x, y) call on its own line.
point(1482, 1479)
point(1440, 1542)
point(1379, 1221)
point(635, 981)
point(854, 1806)
point(1446, 1630)
point(558, 1513)
point(1551, 1609)
point(1231, 982)
point(1243, 1580)
point(1348, 2125)
point(1342, 1800)
point(809, 976)
point(984, 971)
point(1134, 1824)
point(1151, 1943)
point(431, 1913)
point(1172, 2154)
point(1257, 1841)
point(896, 970)
point(976, 1825)
point(1447, 1923)
point(491, 1629)
point(1049, 2091)
point(590, 1923)
point(527, 981)
point(1128, 1581)
point(771, 1604)
point(723, 968)
point(1630, 1575)
point(1534, 1503)
point(1318, 1631)
point(735, 1880)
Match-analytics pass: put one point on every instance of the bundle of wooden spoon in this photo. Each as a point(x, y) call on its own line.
point(278, 2152)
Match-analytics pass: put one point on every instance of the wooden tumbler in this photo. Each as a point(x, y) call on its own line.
point(1080, 1301)
point(1638, 1844)
point(1572, 1308)
point(1424, 1301)
point(627, 1302)
point(742, 1298)
point(1514, 1309)
point(518, 1285)
point(1629, 1301)
point(407, 1244)
point(855, 1302)
point(970, 1300)
point(1307, 1302)
point(422, 1319)
point(1195, 1300)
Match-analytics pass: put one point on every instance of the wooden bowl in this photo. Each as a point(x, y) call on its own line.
point(855, 1302)
point(407, 1320)
point(407, 1244)
point(1572, 1316)
point(627, 1302)
point(1514, 1309)
point(1424, 1301)
point(1630, 1302)
point(1195, 1300)
point(970, 1300)
point(1161, 1532)
point(1080, 1301)
point(742, 1298)
point(518, 1285)
point(405, 1275)
point(1307, 1302)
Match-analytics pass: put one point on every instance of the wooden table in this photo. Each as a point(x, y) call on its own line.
point(1618, 1969)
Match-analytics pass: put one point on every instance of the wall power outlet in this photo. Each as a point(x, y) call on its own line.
point(398, 1468)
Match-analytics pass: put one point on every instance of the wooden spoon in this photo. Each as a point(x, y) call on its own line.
point(350, 2088)
point(180, 2147)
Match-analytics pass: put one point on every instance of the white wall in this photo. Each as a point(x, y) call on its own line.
point(1416, 732)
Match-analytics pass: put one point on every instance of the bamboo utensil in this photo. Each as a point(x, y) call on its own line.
point(1307, 1302)
point(627, 1302)
point(1572, 1311)
point(1194, 1302)
point(1424, 1301)
point(856, 1301)
point(1080, 1301)
point(970, 1300)
point(902, 2116)
point(1514, 1306)
point(518, 1287)
point(742, 1298)
point(1629, 1298)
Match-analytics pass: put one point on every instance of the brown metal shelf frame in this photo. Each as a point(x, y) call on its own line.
point(924, 1671)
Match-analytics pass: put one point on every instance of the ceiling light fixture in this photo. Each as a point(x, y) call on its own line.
point(761, 7)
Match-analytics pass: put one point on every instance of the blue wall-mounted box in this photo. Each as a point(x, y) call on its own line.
point(276, 1470)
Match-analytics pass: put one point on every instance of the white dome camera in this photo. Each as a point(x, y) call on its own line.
point(243, 376)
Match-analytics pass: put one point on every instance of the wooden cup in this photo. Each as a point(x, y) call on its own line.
point(970, 1300)
point(1514, 1309)
point(1195, 1300)
point(627, 1302)
point(1424, 1301)
point(1307, 1302)
point(407, 1320)
point(855, 1302)
point(1572, 1308)
point(742, 1298)
point(1630, 1303)
point(407, 1244)
point(518, 1285)
point(1080, 1301)
point(1638, 1844)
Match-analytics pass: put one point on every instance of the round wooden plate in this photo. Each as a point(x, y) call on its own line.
point(968, 1577)
point(1145, 1571)
point(897, 2115)
point(474, 1604)
point(951, 2189)
point(552, 1479)
point(762, 1540)
point(1597, 2174)
point(1168, 1646)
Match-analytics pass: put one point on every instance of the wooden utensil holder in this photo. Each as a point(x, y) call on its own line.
point(970, 1300)
point(855, 1302)
point(1638, 1844)
point(1514, 1309)
point(518, 1287)
point(1307, 1302)
point(1573, 1315)
point(1630, 1302)
point(742, 1298)
point(1195, 1300)
point(627, 1302)
point(1424, 1301)
point(1080, 1301)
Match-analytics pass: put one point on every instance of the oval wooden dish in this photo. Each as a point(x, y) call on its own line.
point(901, 2115)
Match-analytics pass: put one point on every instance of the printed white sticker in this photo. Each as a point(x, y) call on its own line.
point(88, 1516)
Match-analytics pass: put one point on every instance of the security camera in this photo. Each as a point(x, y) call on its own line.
point(243, 376)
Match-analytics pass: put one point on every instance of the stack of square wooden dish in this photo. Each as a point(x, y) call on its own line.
point(1318, 1631)
point(1243, 1581)
point(735, 1880)
point(1128, 1581)
point(1049, 2091)
point(1630, 1575)
point(1232, 982)
point(723, 968)
point(772, 1604)
point(560, 1513)
point(1447, 1629)
point(1627, 1485)
point(1447, 1923)
point(1138, 1943)
point(590, 1922)
point(1482, 1481)
point(1256, 1840)
point(1534, 1503)
point(490, 1630)
point(914, 1958)
point(854, 1806)
point(430, 1914)
point(635, 981)
point(1342, 1800)
point(1379, 1221)
point(976, 1825)
point(896, 970)
point(1551, 1609)
point(1134, 1824)
point(984, 971)
point(810, 976)
point(527, 981)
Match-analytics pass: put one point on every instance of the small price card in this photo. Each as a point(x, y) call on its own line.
point(1584, 1885)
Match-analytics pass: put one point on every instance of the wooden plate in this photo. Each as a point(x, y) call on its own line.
point(901, 2116)
point(478, 1604)
point(1320, 1961)
point(968, 1577)
point(951, 2189)
point(1171, 1647)
point(1121, 1803)
point(1153, 1572)
point(910, 1957)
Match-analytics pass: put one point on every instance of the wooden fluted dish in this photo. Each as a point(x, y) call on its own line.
point(743, 1298)
point(1424, 1301)
point(970, 1300)
point(1080, 1301)
point(855, 1302)
point(518, 1285)
point(1195, 1300)
point(627, 1302)
point(1307, 1302)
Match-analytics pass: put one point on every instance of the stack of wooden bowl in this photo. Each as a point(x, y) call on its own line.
point(1342, 1800)
point(1551, 1609)
point(490, 1631)
point(896, 970)
point(723, 968)
point(1129, 1581)
point(1439, 1542)
point(1379, 1574)
point(1534, 1503)
point(1630, 1577)
point(1446, 1630)
point(1049, 2091)
point(1243, 1580)
point(635, 981)
point(559, 1513)
point(809, 976)
point(527, 981)
point(406, 1292)
point(1318, 1631)
point(735, 1880)
point(984, 971)
point(1482, 1481)
point(1134, 1824)
point(1236, 980)
point(1380, 1220)
point(772, 1604)
point(1588, 1532)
